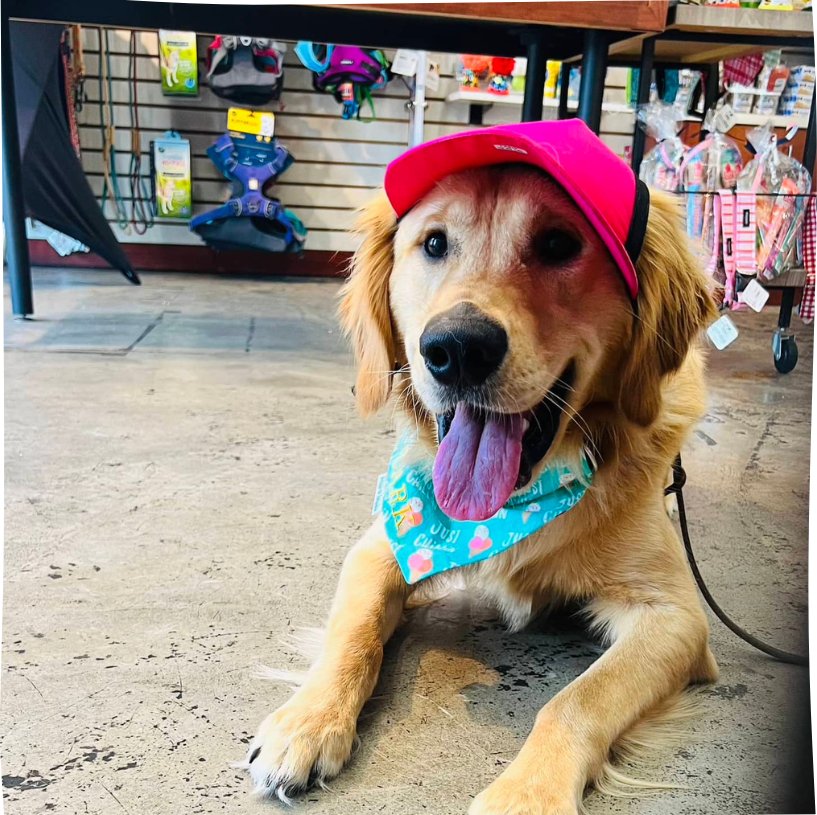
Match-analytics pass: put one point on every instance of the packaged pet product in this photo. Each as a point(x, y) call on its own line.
point(770, 83)
point(553, 69)
point(661, 167)
point(501, 75)
point(711, 166)
point(471, 70)
point(687, 83)
point(520, 68)
point(778, 185)
point(178, 62)
point(172, 188)
point(799, 91)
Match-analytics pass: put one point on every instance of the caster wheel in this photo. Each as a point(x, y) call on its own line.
point(786, 358)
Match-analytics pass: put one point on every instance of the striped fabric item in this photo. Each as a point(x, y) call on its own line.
point(742, 70)
point(809, 251)
point(727, 207)
point(746, 233)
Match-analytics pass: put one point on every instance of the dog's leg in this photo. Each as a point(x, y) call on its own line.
point(657, 650)
point(310, 738)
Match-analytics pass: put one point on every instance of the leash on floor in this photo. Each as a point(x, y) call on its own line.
point(676, 488)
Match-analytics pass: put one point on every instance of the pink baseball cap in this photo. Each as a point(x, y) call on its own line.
point(602, 185)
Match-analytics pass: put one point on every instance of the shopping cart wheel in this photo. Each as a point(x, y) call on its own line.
point(785, 353)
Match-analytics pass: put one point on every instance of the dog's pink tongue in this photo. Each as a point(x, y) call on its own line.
point(477, 465)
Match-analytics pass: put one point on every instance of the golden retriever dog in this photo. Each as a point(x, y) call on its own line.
point(500, 261)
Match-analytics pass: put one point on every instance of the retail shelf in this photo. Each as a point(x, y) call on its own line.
point(485, 98)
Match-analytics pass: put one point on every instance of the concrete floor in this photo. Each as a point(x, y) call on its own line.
point(184, 472)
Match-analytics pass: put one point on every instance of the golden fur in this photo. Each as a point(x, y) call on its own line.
point(637, 393)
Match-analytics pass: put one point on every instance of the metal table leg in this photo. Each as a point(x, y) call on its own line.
point(711, 90)
point(594, 70)
point(22, 304)
point(642, 97)
point(784, 345)
point(811, 142)
point(534, 76)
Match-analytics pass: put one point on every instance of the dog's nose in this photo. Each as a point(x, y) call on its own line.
point(463, 346)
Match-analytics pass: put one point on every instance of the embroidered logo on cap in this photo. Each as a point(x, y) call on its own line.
point(511, 148)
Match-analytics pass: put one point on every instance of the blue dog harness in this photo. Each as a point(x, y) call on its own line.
point(425, 541)
point(248, 167)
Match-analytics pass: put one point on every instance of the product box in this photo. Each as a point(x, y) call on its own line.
point(172, 185)
point(799, 91)
point(179, 63)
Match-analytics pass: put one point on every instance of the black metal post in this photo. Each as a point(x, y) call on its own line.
point(711, 90)
point(786, 306)
point(642, 97)
point(594, 70)
point(14, 218)
point(534, 76)
point(564, 89)
point(811, 143)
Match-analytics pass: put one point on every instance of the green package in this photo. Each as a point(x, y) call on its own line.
point(178, 63)
point(170, 159)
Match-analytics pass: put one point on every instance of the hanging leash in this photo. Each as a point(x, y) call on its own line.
point(106, 119)
point(676, 488)
point(141, 209)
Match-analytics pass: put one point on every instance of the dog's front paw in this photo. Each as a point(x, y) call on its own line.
point(515, 794)
point(305, 742)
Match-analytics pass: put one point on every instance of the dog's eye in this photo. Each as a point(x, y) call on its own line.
point(557, 246)
point(436, 245)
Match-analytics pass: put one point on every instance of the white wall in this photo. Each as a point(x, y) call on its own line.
point(338, 163)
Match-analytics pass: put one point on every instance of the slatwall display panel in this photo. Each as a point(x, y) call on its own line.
point(338, 163)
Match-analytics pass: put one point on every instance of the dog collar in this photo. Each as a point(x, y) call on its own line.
point(425, 541)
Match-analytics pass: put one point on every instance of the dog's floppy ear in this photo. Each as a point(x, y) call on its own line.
point(364, 305)
point(674, 303)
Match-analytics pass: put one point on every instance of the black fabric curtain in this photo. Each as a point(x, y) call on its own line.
point(55, 188)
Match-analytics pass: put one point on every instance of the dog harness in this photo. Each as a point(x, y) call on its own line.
point(425, 541)
point(349, 73)
point(250, 219)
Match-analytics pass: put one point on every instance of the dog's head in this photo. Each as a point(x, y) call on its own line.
point(505, 317)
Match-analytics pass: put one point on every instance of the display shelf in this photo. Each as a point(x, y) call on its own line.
point(756, 119)
point(484, 98)
point(707, 34)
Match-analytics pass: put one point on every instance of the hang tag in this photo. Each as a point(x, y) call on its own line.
point(404, 62)
point(251, 122)
point(754, 295)
point(722, 333)
point(379, 494)
point(433, 76)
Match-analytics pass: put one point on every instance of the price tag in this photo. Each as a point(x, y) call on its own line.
point(722, 333)
point(405, 62)
point(754, 295)
point(252, 122)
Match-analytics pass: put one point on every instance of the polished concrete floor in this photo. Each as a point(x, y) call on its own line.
point(184, 472)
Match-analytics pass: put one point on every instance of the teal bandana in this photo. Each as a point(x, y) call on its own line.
point(425, 541)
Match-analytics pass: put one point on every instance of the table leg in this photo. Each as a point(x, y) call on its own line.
point(594, 71)
point(711, 90)
point(642, 97)
point(14, 218)
point(534, 77)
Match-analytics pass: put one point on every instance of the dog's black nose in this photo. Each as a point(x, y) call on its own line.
point(463, 346)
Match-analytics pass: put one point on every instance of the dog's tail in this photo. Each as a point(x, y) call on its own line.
point(663, 728)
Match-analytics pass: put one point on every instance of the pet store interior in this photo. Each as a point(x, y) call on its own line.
point(185, 466)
